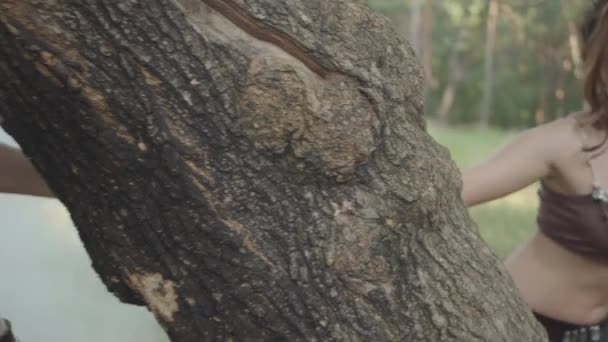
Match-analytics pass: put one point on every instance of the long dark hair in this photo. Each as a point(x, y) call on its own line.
point(594, 34)
point(594, 51)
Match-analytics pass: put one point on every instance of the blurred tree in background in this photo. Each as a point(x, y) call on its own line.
point(507, 63)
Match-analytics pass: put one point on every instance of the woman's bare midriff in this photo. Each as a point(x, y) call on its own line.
point(560, 284)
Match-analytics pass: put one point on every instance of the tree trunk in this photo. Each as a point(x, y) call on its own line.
point(488, 71)
point(253, 170)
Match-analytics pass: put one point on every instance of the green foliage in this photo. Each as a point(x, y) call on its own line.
point(388, 6)
point(534, 70)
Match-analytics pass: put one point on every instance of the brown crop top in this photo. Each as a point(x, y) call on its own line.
point(576, 222)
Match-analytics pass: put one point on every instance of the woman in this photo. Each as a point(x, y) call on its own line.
point(562, 271)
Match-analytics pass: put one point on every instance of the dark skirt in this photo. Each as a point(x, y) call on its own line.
point(560, 331)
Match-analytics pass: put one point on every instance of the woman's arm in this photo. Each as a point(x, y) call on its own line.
point(18, 175)
point(525, 160)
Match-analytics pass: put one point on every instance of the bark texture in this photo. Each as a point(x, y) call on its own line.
point(253, 170)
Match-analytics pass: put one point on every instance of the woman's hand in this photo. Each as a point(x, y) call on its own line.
point(18, 175)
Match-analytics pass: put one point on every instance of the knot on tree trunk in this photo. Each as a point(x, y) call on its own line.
point(325, 125)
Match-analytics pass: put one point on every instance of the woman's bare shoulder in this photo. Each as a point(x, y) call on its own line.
point(567, 138)
point(567, 134)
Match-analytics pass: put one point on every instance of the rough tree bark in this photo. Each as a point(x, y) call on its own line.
point(253, 170)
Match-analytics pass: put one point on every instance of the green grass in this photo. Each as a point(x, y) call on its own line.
point(504, 223)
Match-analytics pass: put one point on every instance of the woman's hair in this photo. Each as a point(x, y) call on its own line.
point(594, 34)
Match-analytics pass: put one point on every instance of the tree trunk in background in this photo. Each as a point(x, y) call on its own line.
point(415, 25)
point(573, 40)
point(253, 170)
point(488, 84)
point(427, 46)
point(574, 43)
point(420, 32)
point(455, 74)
